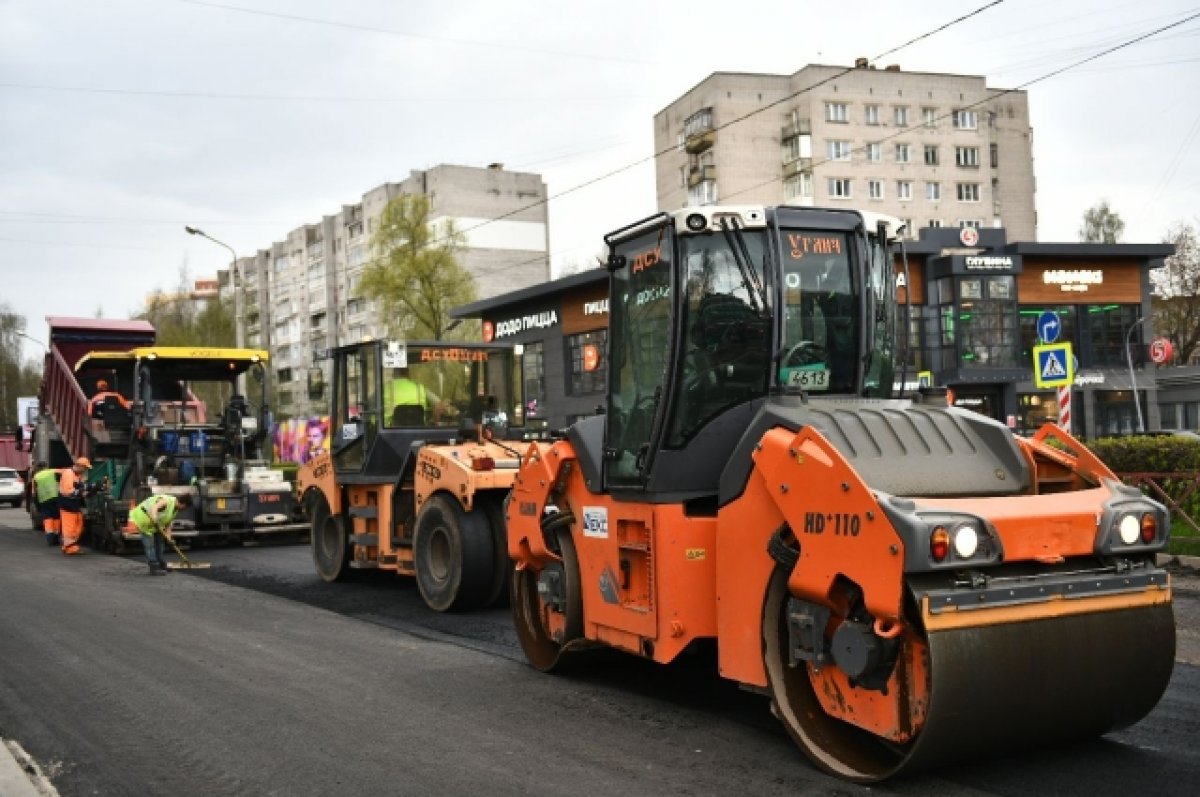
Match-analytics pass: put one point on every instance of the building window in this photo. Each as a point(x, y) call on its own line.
point(875, 189)
point(1036, 409)
point(682, 176)
point(283, 375)
point(579, 380)
point(699, 122)
point(839, 150)
point(900, 115)
point(904, 189)
point(839, 187)
point(1068, 330)
point(931, 155)
point(909, 230)
point(929, 116)
point(968, 192)
point(533, 372)
point(935, 223)
point(1106, 327)
point(874, 152)
point(798, 186)
point(995, 153)
point(871, 114)
point(965, 120)
point(966, 156)
point(987, 322)
point(902, 153)
point(975, 223)
point(703, 193)
point(933, 191)
point(836, 112)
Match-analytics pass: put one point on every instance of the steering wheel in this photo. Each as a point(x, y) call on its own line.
point(814, 354)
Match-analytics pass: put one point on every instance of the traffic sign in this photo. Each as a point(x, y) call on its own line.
point(1048, 327)
point(1161, 351)
point(1053, 365)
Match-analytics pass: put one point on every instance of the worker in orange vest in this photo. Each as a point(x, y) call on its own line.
point(70, 505)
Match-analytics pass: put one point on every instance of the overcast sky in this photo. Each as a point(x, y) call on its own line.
point(123, 120)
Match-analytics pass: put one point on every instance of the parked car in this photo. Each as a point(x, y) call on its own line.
point(12, 486)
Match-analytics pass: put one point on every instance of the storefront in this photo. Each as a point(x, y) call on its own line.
point(977, 301)
point(562, 327)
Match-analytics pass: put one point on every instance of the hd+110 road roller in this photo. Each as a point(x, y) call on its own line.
point(909, 582)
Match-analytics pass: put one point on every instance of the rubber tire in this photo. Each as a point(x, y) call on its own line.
point(494, 509)
point(331, 549)
point(453, 556)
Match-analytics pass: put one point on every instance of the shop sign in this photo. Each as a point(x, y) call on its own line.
point(985, 264)
point(1073, 280)
point(598, 307)
point(1161, 351)
point(1082, 380)
point(517, 324)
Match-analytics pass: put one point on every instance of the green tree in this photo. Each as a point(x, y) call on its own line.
point(179, 320)
point(17, 378)
point(415, 277)
point(1101, 225)
point(1176, 299)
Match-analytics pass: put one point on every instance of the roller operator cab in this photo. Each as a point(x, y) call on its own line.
point(425, 440)
point(908, 582)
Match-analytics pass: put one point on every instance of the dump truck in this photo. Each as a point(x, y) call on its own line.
point(906, 581)
point(63, 429)
point(176, 420)
point(425, 440)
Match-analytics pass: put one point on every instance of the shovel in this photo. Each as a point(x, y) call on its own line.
point(186, 564)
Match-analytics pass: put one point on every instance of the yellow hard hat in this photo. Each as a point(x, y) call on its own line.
point(83, 462)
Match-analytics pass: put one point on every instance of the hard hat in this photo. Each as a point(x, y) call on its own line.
point(83, 462)
point(101, 385)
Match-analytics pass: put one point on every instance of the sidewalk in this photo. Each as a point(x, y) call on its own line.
point(20, 775)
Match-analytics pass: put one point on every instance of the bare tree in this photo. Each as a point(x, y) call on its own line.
point(1101, 225)
point(1176, 299)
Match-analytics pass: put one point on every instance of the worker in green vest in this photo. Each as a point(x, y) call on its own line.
point(409, 400)
point(45, 494)
point(153, 518)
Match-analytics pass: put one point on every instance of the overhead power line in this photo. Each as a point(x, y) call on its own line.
point(337, 23)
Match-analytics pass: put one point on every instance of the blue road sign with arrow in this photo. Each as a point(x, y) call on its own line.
point(1048, 327)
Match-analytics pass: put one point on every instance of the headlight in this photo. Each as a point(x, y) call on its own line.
point(1129, 529)
point(966, 540)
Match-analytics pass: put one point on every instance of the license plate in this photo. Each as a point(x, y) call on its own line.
point(808, 378)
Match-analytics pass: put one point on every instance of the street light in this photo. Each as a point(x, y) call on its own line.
point(1132, 379)
point(237, 284)
point(33, 339)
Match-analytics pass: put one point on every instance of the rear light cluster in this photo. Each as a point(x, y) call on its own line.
point(1131, 523)
point(1137, 528)
point(964, 539)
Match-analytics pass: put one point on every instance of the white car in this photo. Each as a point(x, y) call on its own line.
point(12, 487)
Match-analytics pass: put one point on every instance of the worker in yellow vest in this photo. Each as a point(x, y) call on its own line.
point(411, 402)
point(45, 494)
point(153, 519)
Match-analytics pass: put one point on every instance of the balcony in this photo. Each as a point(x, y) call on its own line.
point(700, 174)
point(794, 167)
point(700, 141)
point(797, 127)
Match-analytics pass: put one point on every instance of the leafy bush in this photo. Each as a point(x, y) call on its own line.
point(1156, 454)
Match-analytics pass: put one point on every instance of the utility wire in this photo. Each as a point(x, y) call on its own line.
point(333, 23)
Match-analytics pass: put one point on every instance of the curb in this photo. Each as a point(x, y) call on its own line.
point(20, 775)
point(1187, 561)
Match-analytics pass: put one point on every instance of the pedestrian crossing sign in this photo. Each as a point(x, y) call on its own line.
point(1053, 365)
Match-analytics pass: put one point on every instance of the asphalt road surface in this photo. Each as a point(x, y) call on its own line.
point(254, 677)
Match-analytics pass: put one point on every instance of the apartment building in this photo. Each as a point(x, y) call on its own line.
point(937, 150)
point(301, 294)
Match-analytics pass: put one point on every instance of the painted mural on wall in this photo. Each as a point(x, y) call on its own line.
point(300, 439)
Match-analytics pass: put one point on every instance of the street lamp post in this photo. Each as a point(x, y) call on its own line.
point(1133, 379)
point(235, 272)
point(33, 340)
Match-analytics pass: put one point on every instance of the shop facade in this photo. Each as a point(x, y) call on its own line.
point(980, 305)
point(562, 328)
